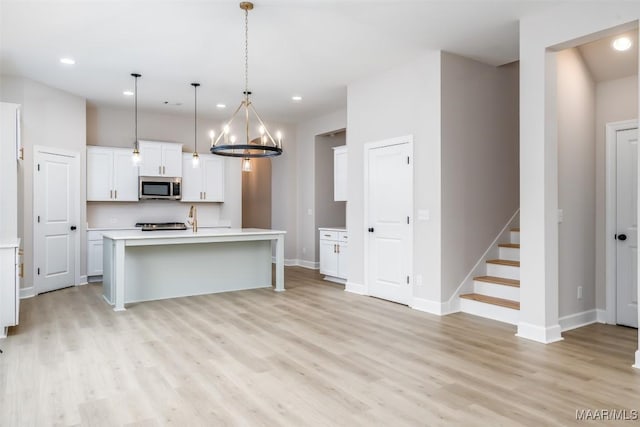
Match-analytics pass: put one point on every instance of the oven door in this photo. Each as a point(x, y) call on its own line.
point(155, 189)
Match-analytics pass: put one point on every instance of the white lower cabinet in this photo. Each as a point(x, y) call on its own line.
point(94, 252)
point(333, 254)
point(10, 273)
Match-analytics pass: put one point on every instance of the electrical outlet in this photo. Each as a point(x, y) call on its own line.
point(579, 292)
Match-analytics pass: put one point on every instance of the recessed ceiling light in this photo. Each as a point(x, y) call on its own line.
point(622, 43)
point(127, 93)
point(296, 98)
point(67, 61)
point(221, 106)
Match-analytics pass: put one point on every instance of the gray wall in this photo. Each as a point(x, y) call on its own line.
point(404, 100)
point(616, 100)
point(480, 164)
point(50, 118)
point(328, 213)
point(256, 195)
point(306, 133)
point(576, 98)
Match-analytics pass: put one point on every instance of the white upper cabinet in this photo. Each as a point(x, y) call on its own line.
point(340, 173)
point(204, 183)
point(160, 159)
point(111, 175)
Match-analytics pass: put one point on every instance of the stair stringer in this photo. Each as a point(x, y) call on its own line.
point(479, 269)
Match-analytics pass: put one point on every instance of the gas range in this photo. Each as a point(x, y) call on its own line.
point(159, 226)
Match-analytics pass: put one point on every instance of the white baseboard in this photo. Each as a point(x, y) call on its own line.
point(637, 364)
point(355, 288)
point(29, 292)
point(294, 262)
point(578, 320)
point(335, 280)
point(308, 264)
point(601, 315)
point(435, 307)
point(545, 335)
point(83, 281)
point(94, 279)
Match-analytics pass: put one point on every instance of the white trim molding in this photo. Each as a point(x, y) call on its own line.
point(29, 292)
point(308, 264)
point(540, 334)
point(434, 307)
point(355, 288)
point(637, 364)
point(578, 320)
point(610, 214)
point(466, 285)
point(601, 316)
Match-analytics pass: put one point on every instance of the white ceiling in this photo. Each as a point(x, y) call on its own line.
point(308, 48)
point(606, 63)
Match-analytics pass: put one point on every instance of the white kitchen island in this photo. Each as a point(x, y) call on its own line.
point(152, 265)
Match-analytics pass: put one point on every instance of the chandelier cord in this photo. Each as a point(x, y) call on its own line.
point(246, 53)
point(136, 110)
point(195, 117)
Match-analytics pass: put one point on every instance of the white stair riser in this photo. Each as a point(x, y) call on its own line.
point(512, 254)
point(505, 271)
point(514, 237)
point(496, 290)
point(490, 311)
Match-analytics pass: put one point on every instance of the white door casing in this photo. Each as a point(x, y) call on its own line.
point(389, 219)
point(56, 210)
point(627, 226)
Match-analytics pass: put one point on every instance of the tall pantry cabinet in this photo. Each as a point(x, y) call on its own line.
point(10, 265)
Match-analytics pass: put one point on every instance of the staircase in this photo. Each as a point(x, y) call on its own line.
point(496, 295)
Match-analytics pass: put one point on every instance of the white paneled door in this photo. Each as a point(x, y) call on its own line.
point(389, 205)
point(627, 227)
point(56, 219)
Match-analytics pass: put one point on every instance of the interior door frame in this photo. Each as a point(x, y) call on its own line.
point(611, 285)
point(38, 150)
point(407, 139)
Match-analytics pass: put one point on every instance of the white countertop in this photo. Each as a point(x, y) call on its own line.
point(10, 243)
point(343, 229)
point(138, 228)
point(181, 234)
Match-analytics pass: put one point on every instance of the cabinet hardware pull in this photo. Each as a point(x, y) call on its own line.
point(115, 194)
point(159, 170)
point(327, 235)
point(21, 274)
point(164, 170)
point(338, 248)
point(205, 195)
point(111, 194)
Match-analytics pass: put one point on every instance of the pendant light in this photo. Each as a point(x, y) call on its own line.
point(195, 161)
point(262, 146)
point(136, 145)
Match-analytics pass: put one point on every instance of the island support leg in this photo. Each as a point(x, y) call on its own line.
point(119, 276)
point(280, 264)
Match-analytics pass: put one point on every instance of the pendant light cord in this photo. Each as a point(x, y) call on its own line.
point(136, 109)
point(195, 117)
point(246, 54)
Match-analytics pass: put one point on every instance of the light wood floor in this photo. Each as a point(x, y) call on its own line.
point(313, 355)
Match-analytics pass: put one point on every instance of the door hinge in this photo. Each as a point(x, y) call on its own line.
point(38, 271)
point(38, 218)
point(38, 167)
point(407, 280)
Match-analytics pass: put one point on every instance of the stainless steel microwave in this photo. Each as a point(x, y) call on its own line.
point(159, 188)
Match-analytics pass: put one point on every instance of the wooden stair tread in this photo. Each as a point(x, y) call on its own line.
point(516, 229)
point(504, 262)
point(510, 245)
point(498, 280)
point(507, 303)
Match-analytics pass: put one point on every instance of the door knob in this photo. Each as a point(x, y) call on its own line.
point(622, 237)
point(370, 229)
point(73, 228)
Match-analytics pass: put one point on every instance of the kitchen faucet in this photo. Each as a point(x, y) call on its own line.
point(193, 218)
